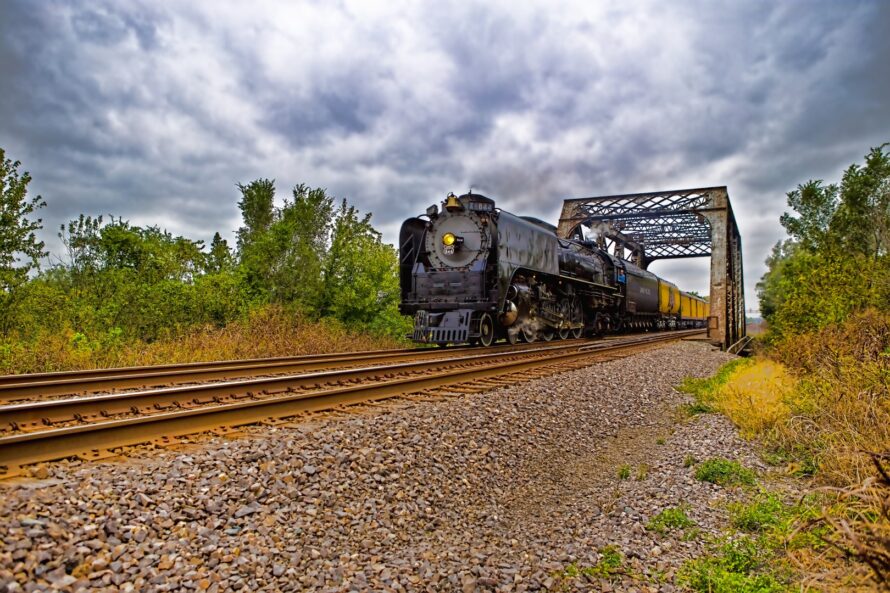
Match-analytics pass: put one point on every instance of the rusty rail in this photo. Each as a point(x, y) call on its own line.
point(19, 387)
point(32, 447)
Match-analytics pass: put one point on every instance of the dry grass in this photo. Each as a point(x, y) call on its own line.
point(270, 331)
point(841, 407)
point(821, 403)
point(756, 396)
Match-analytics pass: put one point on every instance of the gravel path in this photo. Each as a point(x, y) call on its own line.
point(511, 490)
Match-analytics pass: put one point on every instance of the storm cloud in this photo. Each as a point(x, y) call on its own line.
point(154, 111)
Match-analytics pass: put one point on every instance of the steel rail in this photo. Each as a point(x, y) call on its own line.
point(17, 387)
point(59, 410)
point(58, 443)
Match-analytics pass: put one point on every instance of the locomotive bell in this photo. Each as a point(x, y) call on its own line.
point(452, 204)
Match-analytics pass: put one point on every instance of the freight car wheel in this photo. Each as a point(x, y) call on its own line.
point(486, 330)
point(564, 334)
point(547, 334)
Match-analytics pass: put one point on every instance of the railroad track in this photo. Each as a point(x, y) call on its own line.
point(90, 427)
point(14, 388)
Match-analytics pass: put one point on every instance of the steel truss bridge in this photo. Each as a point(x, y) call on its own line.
point(670, 225)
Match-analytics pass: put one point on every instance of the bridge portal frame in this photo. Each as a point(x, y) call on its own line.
point(673, 224)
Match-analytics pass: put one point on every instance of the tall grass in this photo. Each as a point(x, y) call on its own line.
point(267, 331)
point(820, 402)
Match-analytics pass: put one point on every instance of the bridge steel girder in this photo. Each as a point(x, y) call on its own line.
point(670, 225)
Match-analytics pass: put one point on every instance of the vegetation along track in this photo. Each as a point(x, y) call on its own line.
point(157, 415)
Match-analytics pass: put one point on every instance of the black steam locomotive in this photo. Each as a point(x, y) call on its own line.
point(473, 273)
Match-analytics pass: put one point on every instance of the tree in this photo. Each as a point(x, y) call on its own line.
point(256, 205)
point(361, 284)
point(284, 262)
point(220, 257)
point(862, 220)
point(836, 260)
point(815, 205)
point(20, 251)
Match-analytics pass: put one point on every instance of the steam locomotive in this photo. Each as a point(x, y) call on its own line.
point(471, 273)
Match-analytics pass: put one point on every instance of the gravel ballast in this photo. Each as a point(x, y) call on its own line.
point(515, 489)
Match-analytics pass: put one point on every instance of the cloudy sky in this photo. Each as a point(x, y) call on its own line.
point(154, 110)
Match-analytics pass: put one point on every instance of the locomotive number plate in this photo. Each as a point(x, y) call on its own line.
point(448, 249)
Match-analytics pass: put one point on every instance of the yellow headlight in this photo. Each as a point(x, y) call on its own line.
point(448, 239)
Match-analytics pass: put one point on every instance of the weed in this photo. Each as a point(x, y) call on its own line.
point(704, 389)
point(660, 441)
point(670, 519)
point(624, 472)
point(610, 563)
point(766, 511)
point(689, 460)
point(724, 473)
point(737, 565)
point(642, 472)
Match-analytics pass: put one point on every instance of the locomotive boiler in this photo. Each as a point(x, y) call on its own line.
point(471, 273)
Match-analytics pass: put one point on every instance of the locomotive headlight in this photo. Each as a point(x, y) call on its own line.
point(448, 239)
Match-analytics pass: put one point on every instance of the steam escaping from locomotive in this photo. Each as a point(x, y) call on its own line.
point(471, 273)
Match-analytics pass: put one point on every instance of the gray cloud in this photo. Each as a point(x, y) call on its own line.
point(154, 111)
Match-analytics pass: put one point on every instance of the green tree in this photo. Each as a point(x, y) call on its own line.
point(284, 262)
point(361, 284)
point(862, 221)
point(220, 257)
point(20, 250)
point(257, 211)
point(815, 205)
point(836, 260)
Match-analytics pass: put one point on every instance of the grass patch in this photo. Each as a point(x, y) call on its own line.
point(753, 393)
point(766, 511)
point(611, 562)
point(705, 390)
point(724, 472)
point(670, 519)
point(624, 472)
point(738, 565)
point(689, 460)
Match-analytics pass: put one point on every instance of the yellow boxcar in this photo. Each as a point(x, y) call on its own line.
point(665, 303)
point(707, 310)
point(699, 309)
point(686, 311)
point(675, 301)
